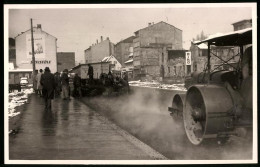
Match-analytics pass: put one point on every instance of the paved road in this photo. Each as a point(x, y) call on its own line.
point(145, 115)
point(72, 131)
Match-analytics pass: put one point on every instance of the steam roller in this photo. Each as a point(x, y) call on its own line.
point(205, 112)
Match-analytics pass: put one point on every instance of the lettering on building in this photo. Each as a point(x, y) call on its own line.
point(42, 62)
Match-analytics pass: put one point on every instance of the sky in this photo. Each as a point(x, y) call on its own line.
point(78, 28)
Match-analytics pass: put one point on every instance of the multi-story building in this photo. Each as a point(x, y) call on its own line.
point(98, 51)
point(148, 47)
point(45, 49)
point(65, 60)
point(242, 24)
point(122, 49)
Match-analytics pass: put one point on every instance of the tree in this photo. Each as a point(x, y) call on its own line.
point(200, 37)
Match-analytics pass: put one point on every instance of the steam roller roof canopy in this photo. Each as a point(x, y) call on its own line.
point(236, 38)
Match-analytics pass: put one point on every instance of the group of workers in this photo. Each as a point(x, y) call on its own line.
point(49, 85)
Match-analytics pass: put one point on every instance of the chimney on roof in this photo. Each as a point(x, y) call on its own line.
point(101, 38)
point(149, 24)
point(107, 38)
point(97, 41)
point(39, 26)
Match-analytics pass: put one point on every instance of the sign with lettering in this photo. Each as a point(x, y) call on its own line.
point(188, 58)
point(39, 46)
point(42, 62)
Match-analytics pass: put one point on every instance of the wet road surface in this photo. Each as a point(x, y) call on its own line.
point(72, 131)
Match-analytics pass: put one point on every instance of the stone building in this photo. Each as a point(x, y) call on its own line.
point(148, 47)
point(174, 64)
point(65, 60)
point(45, 49)
point(99, 50)
point(123, 50)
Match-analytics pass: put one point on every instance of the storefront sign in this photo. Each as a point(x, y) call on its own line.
point(42, 62)
point(188, 58)
point(39, 46)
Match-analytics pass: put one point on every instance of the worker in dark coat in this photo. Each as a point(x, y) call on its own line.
point(77, 85)
point(48, 84)
point(65, 85)
point(90, 73)
point(57, 83)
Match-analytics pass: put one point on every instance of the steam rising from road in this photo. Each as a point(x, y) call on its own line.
point(144, 114)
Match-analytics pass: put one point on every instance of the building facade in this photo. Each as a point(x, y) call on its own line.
point(45, 50)
point(148, 47)
point(98, 51)
point(65, 60)
point(115, 65)
point(174, 64)
point(122, 50)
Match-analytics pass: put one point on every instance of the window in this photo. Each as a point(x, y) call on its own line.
point(169, 69)
point(115, 62)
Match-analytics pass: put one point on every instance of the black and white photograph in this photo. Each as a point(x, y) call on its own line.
point(158, 83)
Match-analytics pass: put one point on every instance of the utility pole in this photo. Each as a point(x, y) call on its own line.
point(33, 58)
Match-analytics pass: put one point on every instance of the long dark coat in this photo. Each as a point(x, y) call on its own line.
point(48, 84)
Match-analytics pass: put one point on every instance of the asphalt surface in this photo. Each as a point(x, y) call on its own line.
point(145, 115)
point(72, 131)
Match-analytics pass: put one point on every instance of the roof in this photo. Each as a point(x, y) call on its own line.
point(235, 38)
point(127, 40)
point(105, 59)
point(156, 24)
point(35, 28)
point(201, 46)
point(129, 61)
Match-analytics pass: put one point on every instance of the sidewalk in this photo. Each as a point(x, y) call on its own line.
point(72, 131)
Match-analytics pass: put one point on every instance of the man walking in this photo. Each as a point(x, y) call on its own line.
point(48, 84)
point(65, 85)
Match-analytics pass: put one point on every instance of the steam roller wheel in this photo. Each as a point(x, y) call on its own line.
point(205, 113)
point(177, 104)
